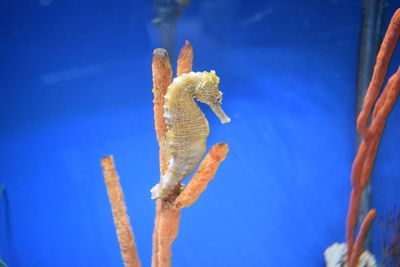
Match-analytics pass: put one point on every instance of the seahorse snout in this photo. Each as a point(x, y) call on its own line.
point(220, 113)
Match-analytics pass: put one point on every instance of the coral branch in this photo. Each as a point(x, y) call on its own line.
point(352, 214)
point(385, 104)
point(185, 59)
point(382, 62)
point(203, 176)
point(358, 245)
point(168, 211)
point(168, 227)
point(121, 218)
point(167, 220)
point(162, 78)
point(366, 154)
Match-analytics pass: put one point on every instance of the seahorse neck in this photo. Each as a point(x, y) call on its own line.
point(184, 87)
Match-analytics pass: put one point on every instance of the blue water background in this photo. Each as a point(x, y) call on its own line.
point(75, 86)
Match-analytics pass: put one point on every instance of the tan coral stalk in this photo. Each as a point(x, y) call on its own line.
point(167, 220)
point(371, 134)
point(168, 227)
point(203, 176)
point(185, 59)
point(382, 62)
point(167, 211)
point(162, 77)
point(121, 218)
point(359, 244)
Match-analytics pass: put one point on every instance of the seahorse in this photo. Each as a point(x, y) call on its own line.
point(188, 129)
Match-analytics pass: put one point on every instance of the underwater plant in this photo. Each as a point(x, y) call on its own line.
point(375, 110)
point(390, 226)
point(371, 123)
point(121, 219)
point(168, 210)
point(181, 130)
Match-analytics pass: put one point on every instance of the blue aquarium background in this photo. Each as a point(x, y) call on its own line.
point(75, 86)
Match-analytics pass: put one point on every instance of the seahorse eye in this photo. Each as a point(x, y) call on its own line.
point(218, 98)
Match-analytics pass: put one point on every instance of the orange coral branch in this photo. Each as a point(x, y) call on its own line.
point(352, 214)
point(166, 221)
point(358, 245)
point(382, 62)
point(168, 211)
point(121, 218)
point(185, 59)
point(168, 227)
point(162, 78)
point(203, 176)
point(365, 158)
point(154, 256)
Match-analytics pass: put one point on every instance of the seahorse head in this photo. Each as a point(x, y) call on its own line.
point(208, 92)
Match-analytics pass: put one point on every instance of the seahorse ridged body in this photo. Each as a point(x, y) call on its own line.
point(185, 140)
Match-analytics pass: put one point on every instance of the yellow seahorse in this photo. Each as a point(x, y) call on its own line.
point(185, 141)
